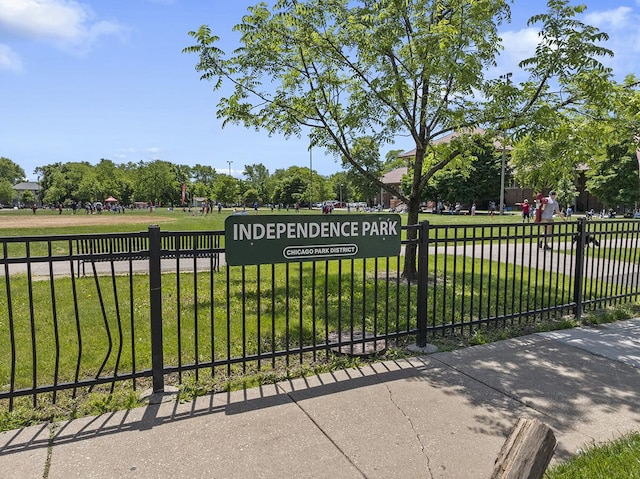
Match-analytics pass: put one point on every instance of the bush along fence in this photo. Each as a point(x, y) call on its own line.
point(83, 313)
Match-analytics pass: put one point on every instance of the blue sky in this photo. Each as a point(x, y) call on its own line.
point(82, 80)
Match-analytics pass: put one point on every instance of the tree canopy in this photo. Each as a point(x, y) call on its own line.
point(10, 171)
point(346, 70)
point(10, 174)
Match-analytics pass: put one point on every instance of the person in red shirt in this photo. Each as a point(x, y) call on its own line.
point(526, 210)
point(540, 202)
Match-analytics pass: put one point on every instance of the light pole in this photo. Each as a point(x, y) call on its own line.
point(340, 196)
point(229, 163)
point(505, 77)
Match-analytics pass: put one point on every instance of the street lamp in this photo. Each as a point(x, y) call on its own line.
point(229, 163)
point(340, 196)
point(506, 77)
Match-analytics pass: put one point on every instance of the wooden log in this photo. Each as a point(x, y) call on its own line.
point(527, 451)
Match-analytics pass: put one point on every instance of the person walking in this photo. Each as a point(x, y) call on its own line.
point(549, 208)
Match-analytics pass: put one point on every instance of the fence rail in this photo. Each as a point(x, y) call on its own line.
point(86, 312)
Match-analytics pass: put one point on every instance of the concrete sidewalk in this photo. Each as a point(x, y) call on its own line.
point(440, 416)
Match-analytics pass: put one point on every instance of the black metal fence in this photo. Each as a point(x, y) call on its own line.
point(86, 312)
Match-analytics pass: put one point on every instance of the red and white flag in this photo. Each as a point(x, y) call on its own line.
point(184, 189)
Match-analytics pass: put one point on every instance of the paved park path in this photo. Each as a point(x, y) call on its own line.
point(558, 260)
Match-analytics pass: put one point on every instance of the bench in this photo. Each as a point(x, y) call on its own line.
point(134, 248)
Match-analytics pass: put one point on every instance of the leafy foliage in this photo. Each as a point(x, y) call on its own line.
point(378, 69)
point(471, 181)
point(615, 178)
point(7, 193)
point(258, 180)
point(226, 190)
point(10, 171)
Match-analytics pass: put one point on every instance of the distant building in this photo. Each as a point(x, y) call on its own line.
point(392, 178)
point(514, 193)
point(20, 188)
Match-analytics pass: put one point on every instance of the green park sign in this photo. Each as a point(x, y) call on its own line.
point(285, 238)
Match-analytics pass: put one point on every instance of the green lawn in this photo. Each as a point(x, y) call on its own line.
point(177, 220)
point(207, 317)
point(619, 459)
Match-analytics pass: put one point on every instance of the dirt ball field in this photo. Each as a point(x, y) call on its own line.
point(10, 220)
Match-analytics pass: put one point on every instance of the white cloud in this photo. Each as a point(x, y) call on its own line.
point(619, 23)
point(520, 44)
point(68, 24)
point(9, 59)
point(616, 19)
point(138, 154)
point(624, 38)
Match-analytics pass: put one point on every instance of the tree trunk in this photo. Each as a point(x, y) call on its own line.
point(410, 270)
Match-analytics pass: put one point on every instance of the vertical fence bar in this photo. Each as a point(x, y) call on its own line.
point(273, 315)
point(301, 311)
point(132, 323)
point(12, 330)
point(243, 292)
point(32, 321)
point(196, 318)
point(579, 268)
point(259, 316)
point(155, 296)
point(423, 278)
point(287, 313)
point(314, 329)
point(172, 243)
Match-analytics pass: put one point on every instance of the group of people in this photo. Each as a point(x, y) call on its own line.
point(450, 208)
point(543, 211)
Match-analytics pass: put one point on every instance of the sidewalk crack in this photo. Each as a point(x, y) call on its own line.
point(423, 449)
point(324, 433)
point(47, 462)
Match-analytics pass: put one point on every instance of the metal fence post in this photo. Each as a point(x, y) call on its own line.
point(155, 297)
point(579, 267)
point(423, 276)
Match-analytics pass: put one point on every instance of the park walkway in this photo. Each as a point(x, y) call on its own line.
point(520, 253)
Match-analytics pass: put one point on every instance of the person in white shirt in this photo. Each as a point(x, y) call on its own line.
point(549, 207)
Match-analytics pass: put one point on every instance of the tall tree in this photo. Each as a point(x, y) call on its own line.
point(382, 68)
point(614, 179)
point(258, 181)
point(64, 182)
point(7, 193)
point(471, 181)
point(290, 189)
point(113, 180)
point(203, 173)
point(10, 171)
point(365, 151)
point(226, 189)
point(156, 181)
